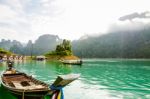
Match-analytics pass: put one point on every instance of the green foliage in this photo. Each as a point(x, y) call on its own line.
point(63, 49)
point(4, 52)
point(59, 48)
point(45, 43)
point(51, 53)
point(124, 44)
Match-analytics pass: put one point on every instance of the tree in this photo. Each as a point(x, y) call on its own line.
point(62, 49)
point(120, 44)
point(4, 52)
point(67, 45)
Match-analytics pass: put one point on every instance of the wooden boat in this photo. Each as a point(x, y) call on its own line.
point(40, 58)
point(24, 85)
point(72, 62)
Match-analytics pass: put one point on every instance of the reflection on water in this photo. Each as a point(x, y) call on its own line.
point(100, 78)
point(4, 94)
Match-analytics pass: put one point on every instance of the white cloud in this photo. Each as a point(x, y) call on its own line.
point(70, 19)
point(6, 12)
point(8, 33)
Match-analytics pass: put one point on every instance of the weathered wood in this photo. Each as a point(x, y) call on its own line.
point(21, 84)
point(72, 62)
point(64, 80)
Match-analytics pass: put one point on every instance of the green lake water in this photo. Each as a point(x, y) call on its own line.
point(100, 78)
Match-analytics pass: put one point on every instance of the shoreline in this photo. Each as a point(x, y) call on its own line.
point(58, 57)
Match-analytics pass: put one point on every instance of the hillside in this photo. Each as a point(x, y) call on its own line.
point(43, 44)
point(119, 44)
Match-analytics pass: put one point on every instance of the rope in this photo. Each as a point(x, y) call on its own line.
point(60, 89)
point(23, 94)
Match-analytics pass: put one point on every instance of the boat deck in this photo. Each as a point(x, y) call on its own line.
point(21, 81)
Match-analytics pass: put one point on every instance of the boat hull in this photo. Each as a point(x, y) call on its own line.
point(27, 87)
point(72, 62)
point(37, 93)
point(28, 94)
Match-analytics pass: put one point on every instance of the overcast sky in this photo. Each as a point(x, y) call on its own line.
point(27, 19)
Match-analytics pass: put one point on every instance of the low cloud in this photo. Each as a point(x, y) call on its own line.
point(143, 15)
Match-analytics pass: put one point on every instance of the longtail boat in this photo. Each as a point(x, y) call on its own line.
point(72, 62)
point(23, 85)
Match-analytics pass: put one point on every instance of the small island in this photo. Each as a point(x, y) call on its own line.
point(64, 54)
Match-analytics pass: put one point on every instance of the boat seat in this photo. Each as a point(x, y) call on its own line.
point(17, 84)
point(10, 84)
point(31, 85)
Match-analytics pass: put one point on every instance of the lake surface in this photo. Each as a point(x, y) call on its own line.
point(100, 78)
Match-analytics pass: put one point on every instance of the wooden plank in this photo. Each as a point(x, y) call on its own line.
point(64, 80)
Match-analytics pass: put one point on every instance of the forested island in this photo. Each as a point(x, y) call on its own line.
point(63, 51)
point(118, 44)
